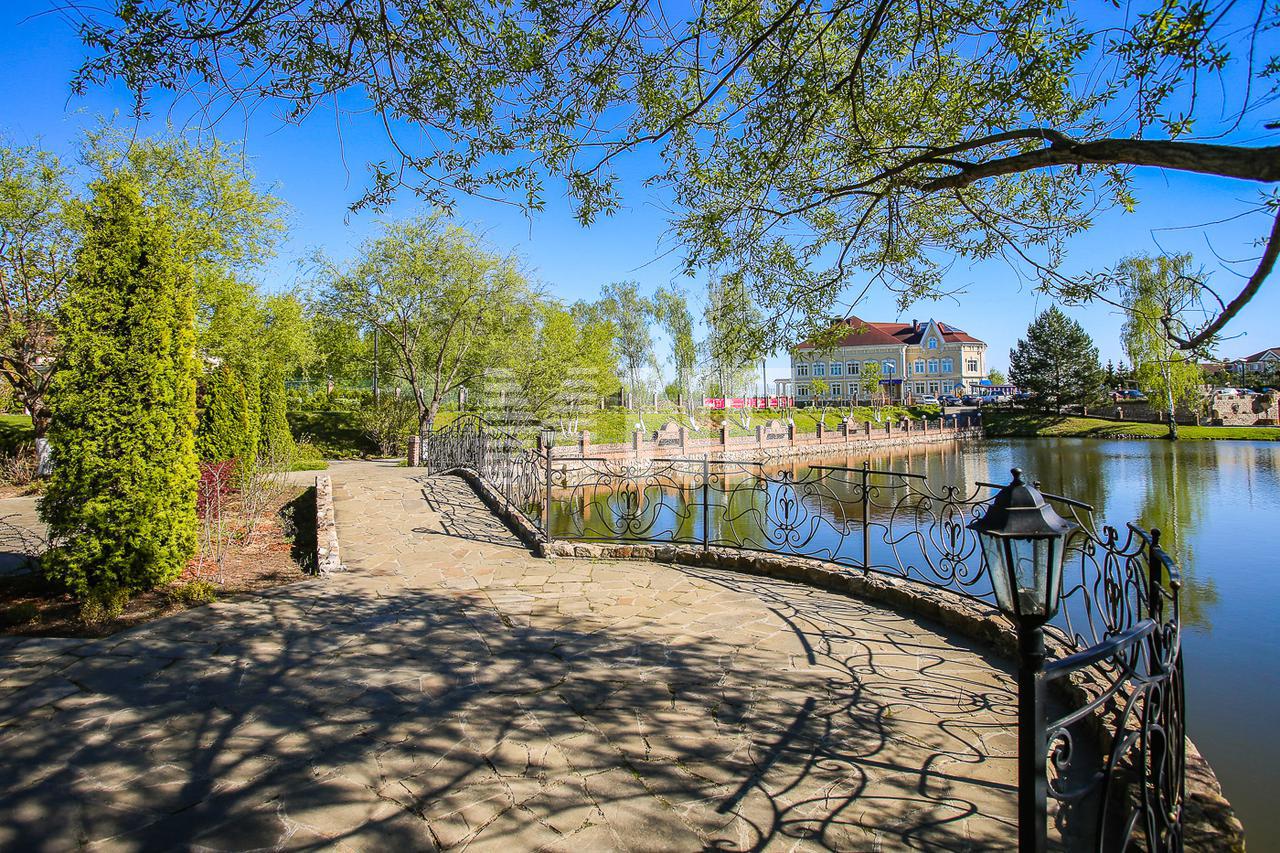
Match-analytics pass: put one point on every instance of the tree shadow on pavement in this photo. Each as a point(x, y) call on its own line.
point(313, 716)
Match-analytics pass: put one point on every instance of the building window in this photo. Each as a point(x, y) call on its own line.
point(855, 368)
point(946, 365)
point(890, 368)
point(835, 368)
point(802, 370)
point(933, 365)
point(919, 365)
point(804, 390)
point(971, 365)
point(835, 389)
point(919, 387)
point(819, 369)
point(933, 343)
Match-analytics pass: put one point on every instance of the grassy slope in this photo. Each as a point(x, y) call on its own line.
point(1013, 424)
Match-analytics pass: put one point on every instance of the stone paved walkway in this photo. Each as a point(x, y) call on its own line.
point(452, 691)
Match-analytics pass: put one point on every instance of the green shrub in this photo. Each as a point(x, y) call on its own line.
point(102, 606)
point(252, 380)
point(121, 501)
point(337, 435)
point(275, 441)
point(193, 594)
point(307, 457)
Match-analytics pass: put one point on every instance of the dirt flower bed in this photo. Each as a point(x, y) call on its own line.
point(280, 550)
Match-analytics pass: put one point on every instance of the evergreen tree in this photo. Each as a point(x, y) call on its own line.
point(275, 441)
point(1056, 363)
point(121, 502)
point(224, 431)
point(251, 378)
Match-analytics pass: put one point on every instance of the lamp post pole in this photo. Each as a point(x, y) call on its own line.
point(1023, 542)
point(1032, 783)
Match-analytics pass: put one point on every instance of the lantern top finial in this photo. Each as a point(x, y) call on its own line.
point(1019, 510)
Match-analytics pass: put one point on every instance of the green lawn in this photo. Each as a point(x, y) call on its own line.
point(1019, 424)
point(15, 430)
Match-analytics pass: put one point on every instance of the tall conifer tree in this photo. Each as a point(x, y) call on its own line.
point(1057, 362)
point(121, 502)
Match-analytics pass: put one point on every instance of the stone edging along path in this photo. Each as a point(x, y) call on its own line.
point(328, 555)
point(1209, 822)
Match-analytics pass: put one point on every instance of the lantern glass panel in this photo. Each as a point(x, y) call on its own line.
point(1030, 563)
point(993, 550)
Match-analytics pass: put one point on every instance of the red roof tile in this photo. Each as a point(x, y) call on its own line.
point(894, 334)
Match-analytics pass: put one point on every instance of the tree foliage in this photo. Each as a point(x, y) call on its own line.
point(671, 308)
point(567, 364)
point(1155, 289)
point(733, 321)
point(1057, 362)
point(120, 503)
point(443, 304)
point(808, 145)
point(630, 314)
point(38, 235)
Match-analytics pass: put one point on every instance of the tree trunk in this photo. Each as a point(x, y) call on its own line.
point(1173, 417)
point(432, 410)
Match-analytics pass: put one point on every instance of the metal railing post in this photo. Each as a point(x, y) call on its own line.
point(866, 518)
point(1154, 604)
point(546, 499)
point(706, 498)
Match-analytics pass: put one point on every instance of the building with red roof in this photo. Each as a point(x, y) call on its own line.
point(903, 360)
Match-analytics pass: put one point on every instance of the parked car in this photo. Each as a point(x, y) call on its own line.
point(927, 400)
point(1023, 397)
point(1227, 392)
point(949, 400)
point(971, 400)
point(1134, 394)
point(988, 400)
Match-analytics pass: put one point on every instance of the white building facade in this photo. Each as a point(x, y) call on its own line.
point(913, 359)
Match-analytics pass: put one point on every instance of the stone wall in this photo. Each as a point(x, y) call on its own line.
point(776, 440)
point(1250, 410)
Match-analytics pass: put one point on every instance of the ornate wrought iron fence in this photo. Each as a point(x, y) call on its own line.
point(517, 472)
point(1115, 761)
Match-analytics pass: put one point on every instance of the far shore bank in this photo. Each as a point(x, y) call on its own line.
point(1006, 424)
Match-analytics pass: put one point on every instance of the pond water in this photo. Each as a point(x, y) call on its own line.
point(1218, 506)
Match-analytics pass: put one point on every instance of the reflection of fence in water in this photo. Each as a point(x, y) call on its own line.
point(885, 521)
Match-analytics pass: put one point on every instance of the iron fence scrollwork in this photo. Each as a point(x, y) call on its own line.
point(1115, 760)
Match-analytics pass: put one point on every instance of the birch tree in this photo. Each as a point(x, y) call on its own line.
point(1157, 288)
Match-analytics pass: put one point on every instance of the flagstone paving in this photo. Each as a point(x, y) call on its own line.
point(452, 691)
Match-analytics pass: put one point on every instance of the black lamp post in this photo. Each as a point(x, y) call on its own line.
point(1024, 540)
point(548, 441)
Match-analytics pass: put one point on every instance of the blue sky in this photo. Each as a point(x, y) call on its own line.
point(319, 175)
